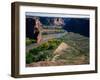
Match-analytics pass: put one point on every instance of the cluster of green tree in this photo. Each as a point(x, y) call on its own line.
point(79, 49)
point(43, 52)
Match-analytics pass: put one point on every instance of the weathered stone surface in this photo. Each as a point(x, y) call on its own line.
point(61, 48)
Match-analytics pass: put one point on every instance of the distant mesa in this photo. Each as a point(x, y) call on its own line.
point(58, 21)
point(76, 25)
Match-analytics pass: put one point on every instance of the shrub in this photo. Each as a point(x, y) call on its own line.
point(79, 45)
point(30, 41)
point(39, 56)
point(43, 52)
point(29, 58)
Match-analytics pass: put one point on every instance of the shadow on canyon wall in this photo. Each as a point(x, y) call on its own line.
point(76, 25)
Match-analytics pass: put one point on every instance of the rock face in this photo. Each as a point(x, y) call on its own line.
point(58, 21)
point(61, 48)
point(47, 63)
point(76, 25)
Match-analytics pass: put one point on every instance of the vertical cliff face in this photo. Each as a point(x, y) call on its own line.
point(52, 21)
point(58, 21)
point(33, 29)
point(76, 25)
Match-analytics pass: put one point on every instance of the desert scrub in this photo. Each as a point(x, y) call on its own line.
point(50, 44)
point(68, 54)
point(77, 53)
point(43, 52)
point(72, 56)
point(79, 42)
point(38, 56)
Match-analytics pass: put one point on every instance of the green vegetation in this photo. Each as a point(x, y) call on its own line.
point(78, 52)
point(79, 47)
point(79, 42)
point(30, 41)
point(43, 52)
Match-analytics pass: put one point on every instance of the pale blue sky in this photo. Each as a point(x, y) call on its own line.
point(56, 15)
